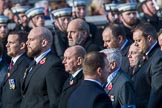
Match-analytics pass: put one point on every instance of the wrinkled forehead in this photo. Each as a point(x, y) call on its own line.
point(129, 12)
point(35, 33)
point(134, 48)
point(73, 26)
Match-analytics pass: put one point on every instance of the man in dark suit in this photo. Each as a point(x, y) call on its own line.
point(78, 34)
point(3, 69)
point(119, 86)
point(73, 58)
point(114, 37)
point(16, 48)
point(147, 76)
point(90, 93)
point(43, 82)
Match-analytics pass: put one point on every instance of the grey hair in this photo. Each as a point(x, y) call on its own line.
point(84, 26)
point(81, 24)
point(113, 54)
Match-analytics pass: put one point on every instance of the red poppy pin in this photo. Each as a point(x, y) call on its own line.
point(71, 82)
point(109, 87)
point(8, 75)
point(43, 61)
point(144, 58)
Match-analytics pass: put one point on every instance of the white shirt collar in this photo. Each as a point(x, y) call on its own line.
point(77, 72)
point(152, 46)
point(0, 59)
point(41, 56)
point(14, 59)
point(112, 75)
point(124, 44)
point(94, 81)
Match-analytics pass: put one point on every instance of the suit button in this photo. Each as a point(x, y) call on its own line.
point(23, 96)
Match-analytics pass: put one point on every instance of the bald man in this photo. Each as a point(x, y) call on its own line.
point(78, 34)
point(43, 80)
point(134, 55)
point(90, 93)
point(73, 58)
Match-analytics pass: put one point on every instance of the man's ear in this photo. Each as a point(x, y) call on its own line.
point(22, 45)
point(149, 38)
point(120, 39)
point(99, 71)
point(113, 65)
point(15, 18)
point(79, 60)
point(44, 42)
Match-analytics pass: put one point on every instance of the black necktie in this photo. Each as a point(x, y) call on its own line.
point(71, 78)
point(31, 66)
point(27, 72)
point(71, 82)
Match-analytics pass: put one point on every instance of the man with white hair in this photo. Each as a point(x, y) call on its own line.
point(119, 86)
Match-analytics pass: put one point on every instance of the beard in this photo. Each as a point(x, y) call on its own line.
point(131, 22)
point(33, 53)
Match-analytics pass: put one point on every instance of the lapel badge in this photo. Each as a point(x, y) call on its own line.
point(144, 58)
point(109, 87)
point(43, 61)
point(25, 73)
point(12, 84)
point(71, 82)
point(112, 98)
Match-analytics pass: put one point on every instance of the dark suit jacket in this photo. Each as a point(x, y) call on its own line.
point(20, 27)
point(155, 99)
point(69, 88)
point(125, 50)
point(147, 80)
point(3, 72)
point(153, 20)
point(125, 61)
point(43, 86)
point(121, 91)
point(125, 64)
point(90, 46)
point(89, 95)
point(11, 98)
point(60, 42)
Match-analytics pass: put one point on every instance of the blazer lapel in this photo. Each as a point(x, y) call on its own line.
point(111, 84)
point(15, 66)
point(32, 72)
point(75, 81)
point(27, 80)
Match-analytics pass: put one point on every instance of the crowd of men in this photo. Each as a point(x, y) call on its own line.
point(75, 64)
